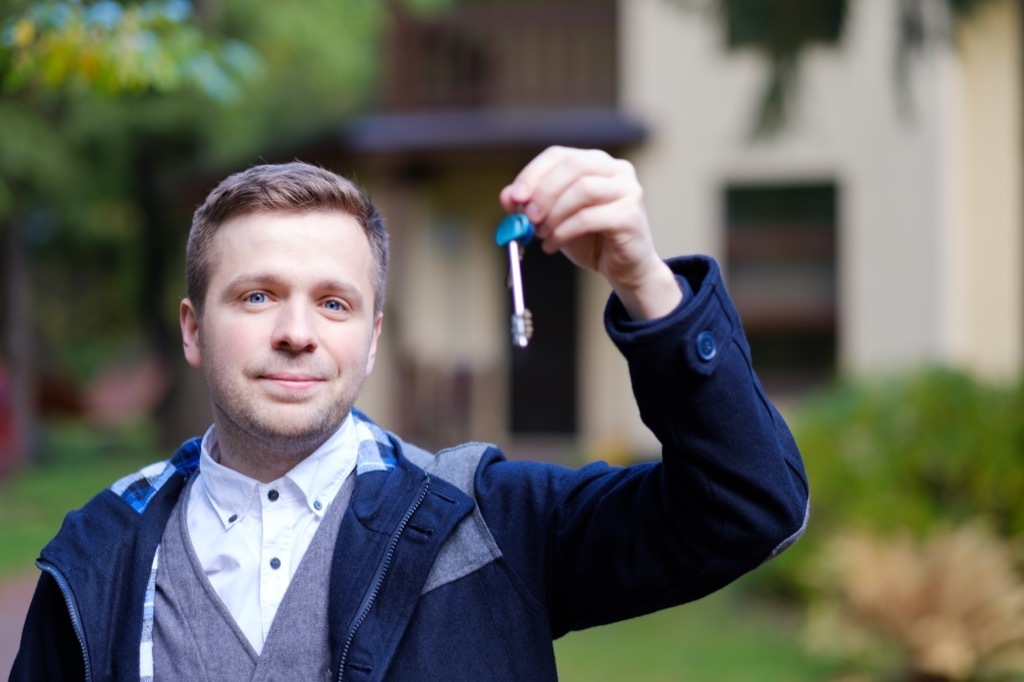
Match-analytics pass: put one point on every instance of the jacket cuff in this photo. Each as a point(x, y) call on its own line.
point(693, 335)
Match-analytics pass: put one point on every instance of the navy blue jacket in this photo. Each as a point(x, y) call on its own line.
point(465, 565)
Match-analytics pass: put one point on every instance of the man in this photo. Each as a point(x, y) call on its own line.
point(298, 540)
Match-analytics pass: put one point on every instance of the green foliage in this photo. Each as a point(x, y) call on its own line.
point(112, 48)
point(781, 25)
point(781, 30)
point(116, 113)
point(933, 447)
point(30, 162)
point(321, 65)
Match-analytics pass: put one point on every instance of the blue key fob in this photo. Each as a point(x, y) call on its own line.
point(515, 227)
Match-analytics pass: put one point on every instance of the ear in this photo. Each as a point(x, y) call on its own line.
point(371, 357)
point(190, 332)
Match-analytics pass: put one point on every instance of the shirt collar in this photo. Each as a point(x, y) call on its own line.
point(319, 476)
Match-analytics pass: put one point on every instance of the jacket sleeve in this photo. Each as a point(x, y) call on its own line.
point(729, 492)
point(50, 649)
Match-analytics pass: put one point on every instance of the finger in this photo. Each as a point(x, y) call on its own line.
point(549, 173)
point(566, 172)
point(587, 191)
point(624, 218)
point(520, 191)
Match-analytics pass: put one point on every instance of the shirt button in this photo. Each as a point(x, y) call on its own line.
point(707, 347)
point(232, 518)
point(317, 505)
point(275, 563)
point(273, 495)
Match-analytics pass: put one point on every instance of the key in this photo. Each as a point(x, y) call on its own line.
point(514, 231)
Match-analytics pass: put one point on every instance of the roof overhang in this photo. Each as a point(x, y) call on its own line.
point(489, 129)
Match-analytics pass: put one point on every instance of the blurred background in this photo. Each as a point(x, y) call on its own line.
point(854, 165)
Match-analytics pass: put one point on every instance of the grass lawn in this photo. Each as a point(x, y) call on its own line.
point(726, 637)
point(77, 464)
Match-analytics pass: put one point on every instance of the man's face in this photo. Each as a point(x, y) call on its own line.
point(288, 331)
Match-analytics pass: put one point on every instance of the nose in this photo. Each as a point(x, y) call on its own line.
point(294, 329)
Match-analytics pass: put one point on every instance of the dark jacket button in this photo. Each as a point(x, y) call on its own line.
point(707, 347)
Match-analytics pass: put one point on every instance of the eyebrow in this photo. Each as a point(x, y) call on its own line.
point(348, 290)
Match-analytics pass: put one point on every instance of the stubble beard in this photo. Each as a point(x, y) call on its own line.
point(271, 436)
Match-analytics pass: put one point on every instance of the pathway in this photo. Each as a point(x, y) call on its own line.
point(15, 594)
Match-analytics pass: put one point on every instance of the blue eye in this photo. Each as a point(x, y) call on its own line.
point(256, 297)
point(334, 305)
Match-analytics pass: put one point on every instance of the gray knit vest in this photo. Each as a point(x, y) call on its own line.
point(196, 638)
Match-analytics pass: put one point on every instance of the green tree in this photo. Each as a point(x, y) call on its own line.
point(55, 56)
point(113, 113)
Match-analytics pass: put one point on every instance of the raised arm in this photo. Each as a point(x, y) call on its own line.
point(730, 491)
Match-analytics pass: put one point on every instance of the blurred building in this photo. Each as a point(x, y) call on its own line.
point(878, 230)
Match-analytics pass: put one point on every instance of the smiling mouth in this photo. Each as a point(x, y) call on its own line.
point(292, 381)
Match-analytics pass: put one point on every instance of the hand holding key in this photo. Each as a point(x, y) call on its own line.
point(589, 205)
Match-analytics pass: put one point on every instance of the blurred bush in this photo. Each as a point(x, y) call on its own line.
point(917, 496)
point(932, 447)
point(950, 607)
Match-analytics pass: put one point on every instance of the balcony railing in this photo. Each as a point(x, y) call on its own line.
point(494, 54)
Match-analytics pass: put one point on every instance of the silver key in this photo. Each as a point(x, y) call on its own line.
point(514, 230)
point(522, 327)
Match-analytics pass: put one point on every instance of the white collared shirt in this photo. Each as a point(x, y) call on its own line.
point(250, 536)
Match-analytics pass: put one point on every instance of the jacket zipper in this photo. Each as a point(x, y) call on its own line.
point(69, 602)
point(381, 574)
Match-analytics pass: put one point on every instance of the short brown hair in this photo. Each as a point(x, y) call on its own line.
point(295, 187)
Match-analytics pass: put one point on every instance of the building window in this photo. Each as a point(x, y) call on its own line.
point(781, 273)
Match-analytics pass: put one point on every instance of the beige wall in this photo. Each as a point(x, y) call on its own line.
point(987, 246)
point(914, 186)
